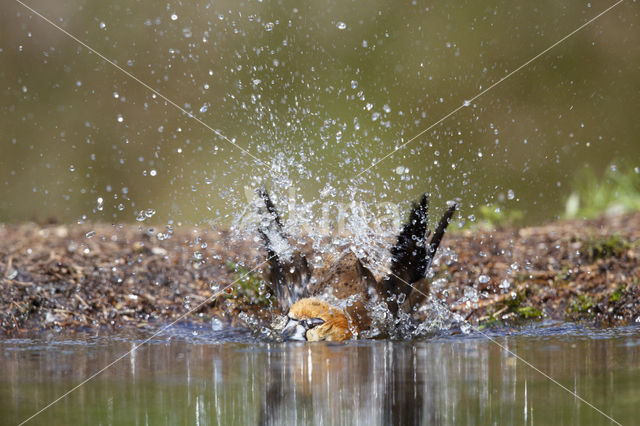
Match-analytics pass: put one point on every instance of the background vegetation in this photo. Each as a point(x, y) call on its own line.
point(317, 91)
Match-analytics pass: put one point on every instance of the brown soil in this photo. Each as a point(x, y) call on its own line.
point(79, 276)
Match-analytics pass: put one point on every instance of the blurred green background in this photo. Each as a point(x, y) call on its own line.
point(317, 91)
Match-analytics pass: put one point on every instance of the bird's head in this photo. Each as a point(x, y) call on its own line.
point(314, 320)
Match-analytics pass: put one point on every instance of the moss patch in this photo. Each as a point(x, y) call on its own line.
point(618, 294)
point(610, 246)
point(581, 306)
point(249, 288)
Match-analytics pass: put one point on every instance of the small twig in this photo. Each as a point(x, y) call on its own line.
point(20, 283)
point(9, 264)
point(495, 314)
point(20, 308)
point(67, 312)
point(81, 300)
point(504, 308)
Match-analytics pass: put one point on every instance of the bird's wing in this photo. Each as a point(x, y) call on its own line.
point(412, 255)
point(289, 271)
point(438, 234)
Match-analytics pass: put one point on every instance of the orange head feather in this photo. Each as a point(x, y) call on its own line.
point(327, 322)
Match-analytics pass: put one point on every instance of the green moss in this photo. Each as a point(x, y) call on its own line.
point(515, 302)
point(514, 305)
point(492, 321)
point(610, 246)
point(618, 293)
point(581, 304)
point(563, 274)
point(249, 286)
point(529, 312)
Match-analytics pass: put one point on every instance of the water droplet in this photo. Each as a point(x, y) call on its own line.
point(153, 172)
point(120, 118)
point(145, 214)
point(268, 26)
point(204, 108)
point(354, 84)
point(90, 234)
point(102, 25)
point(483, 279)
point(466, 103)
point(510, 194)
point(174, 17)
point(341, 25)
point(505, 284)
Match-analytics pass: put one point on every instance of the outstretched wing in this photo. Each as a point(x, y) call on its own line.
point(412, 255)
point(438, 234)
point(289, 271)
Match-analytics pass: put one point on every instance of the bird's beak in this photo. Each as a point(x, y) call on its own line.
point(297, 329)
point(294, 330)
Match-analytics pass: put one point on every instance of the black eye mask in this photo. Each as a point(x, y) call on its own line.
point(297, 329)
point(308, 324)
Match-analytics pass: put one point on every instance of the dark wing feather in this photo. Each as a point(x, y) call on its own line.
point(439, 233)
point(411, 255)
point(289, 271)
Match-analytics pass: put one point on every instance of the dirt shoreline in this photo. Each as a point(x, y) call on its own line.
point(78, 276)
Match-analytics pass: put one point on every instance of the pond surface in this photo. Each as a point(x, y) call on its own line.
point(197, 375)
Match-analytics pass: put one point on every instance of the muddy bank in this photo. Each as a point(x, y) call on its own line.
point(77, 276)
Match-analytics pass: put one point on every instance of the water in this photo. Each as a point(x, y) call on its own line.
point(197, 375)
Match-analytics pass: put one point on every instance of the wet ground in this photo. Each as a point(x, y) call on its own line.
point(100, 276)
point(207, 375)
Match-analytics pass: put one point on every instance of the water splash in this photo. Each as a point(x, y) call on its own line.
point(326, 230)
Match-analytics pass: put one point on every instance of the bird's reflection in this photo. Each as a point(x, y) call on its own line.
point(308, 382)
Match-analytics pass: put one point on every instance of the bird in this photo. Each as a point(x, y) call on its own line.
point(309, 296)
